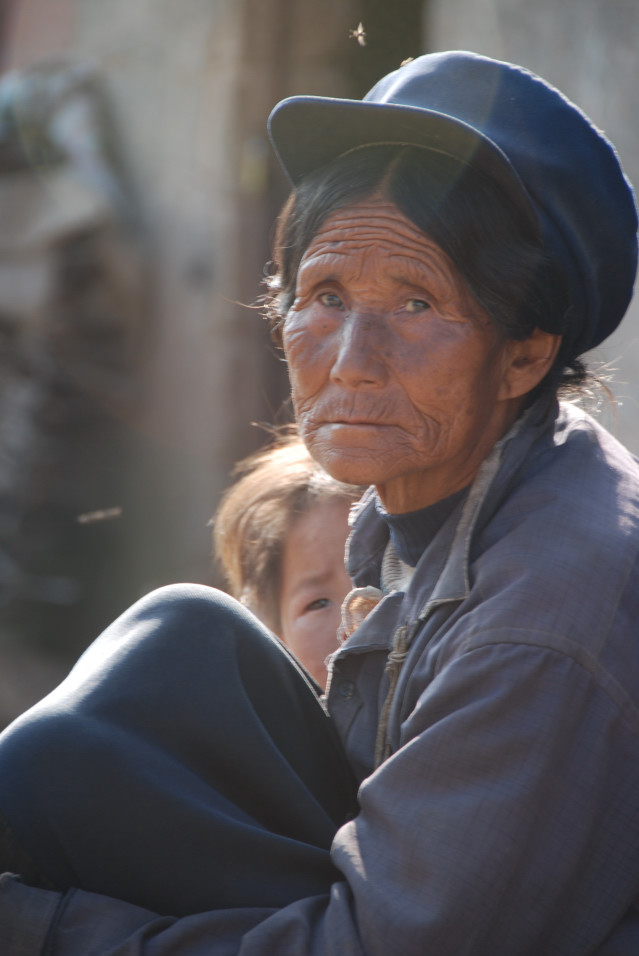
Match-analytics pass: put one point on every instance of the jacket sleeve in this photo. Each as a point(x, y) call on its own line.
point(505, 824)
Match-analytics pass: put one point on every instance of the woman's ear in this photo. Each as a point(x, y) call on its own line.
point(527, 362)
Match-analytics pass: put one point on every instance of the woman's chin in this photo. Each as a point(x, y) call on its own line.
point(357, 464)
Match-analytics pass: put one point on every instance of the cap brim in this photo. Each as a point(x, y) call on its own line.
point(309, 131)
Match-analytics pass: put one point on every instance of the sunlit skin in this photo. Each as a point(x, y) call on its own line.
point(399, 379)
point(314, 584)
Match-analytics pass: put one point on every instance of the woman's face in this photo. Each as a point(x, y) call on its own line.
point(314, 584)
point(399, 379)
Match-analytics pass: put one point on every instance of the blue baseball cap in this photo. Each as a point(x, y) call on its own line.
point(541, 148)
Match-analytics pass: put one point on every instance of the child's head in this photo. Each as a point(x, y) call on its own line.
point(279, 536)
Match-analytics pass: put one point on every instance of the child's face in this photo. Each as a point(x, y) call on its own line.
point(314, 584)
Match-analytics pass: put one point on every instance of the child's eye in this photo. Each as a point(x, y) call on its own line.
point(331, 300)
point(417, 305)
point(317, 604)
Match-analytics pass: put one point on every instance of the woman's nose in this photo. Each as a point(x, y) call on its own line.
point(360, 353)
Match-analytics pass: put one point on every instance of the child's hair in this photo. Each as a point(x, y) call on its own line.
point(277, 485)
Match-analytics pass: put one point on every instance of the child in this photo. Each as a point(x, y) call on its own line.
point(279, 537)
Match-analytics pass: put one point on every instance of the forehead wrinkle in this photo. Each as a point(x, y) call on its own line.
point(425, 255)
point(418, 269)
point(412, 267)
point(344, 247)
point(334, 263)
point(329, 266)
point(380, 216)
point(389, 233)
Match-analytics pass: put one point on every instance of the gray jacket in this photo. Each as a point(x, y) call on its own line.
point(504, 817)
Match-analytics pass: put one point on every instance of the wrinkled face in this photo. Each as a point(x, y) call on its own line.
point(314, 584)
point(398, 377)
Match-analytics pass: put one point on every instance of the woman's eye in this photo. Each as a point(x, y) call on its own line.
point(331, 300)
point(417, 305)
point(318, 604)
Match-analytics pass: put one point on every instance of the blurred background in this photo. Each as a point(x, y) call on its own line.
point(137, 197)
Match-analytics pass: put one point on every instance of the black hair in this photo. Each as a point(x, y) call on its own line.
point(494, 244)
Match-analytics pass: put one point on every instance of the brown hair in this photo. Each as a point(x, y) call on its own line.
point(276, 485)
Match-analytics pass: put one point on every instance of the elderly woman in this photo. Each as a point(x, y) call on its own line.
point(454, 244)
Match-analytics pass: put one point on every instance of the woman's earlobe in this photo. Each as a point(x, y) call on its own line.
point(530, 360)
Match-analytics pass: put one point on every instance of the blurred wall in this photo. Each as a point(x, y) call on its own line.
point(588, 48)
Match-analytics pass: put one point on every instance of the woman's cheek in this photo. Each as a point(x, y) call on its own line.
point(314, 322)
point(309, 358)
point(296, 337)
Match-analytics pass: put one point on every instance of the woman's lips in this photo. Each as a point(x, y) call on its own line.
point(355, 423)
point(355, 415)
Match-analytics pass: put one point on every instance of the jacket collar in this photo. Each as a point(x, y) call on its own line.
point(369, 537)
